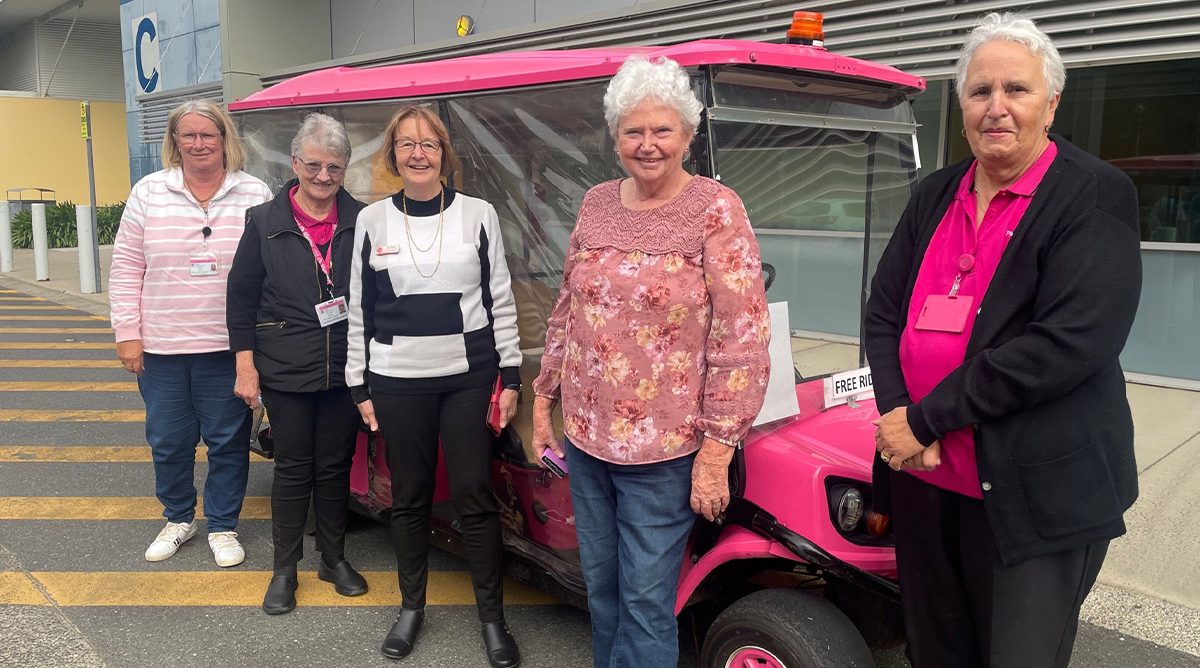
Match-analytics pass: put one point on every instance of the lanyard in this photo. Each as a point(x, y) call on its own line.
point(966, 263)
point(325, 263)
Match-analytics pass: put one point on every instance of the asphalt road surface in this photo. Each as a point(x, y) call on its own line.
point(77, 510)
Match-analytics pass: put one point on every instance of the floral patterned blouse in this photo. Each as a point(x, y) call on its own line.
point(661, 327)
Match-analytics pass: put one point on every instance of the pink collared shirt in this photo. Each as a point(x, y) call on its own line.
point(321, 231)
point(926, 357)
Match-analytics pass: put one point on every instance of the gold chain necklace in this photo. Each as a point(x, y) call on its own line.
point(203, 201)
point(437, 236)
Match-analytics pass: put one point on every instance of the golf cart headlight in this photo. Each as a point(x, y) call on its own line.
point(849, 509)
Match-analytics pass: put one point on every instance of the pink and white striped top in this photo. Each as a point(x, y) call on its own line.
point(153, 294)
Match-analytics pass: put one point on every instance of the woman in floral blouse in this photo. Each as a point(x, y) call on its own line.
point(657, 346)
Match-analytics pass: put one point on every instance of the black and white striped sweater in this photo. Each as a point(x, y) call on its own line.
point(418, 324)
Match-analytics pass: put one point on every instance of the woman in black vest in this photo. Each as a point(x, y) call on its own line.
point(287, 325)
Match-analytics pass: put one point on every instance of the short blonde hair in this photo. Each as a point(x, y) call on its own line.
point(450, 163)
point(234, 151)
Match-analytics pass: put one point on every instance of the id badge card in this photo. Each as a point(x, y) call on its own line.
point(334, 310)
point(203, 265)
point(945, 313)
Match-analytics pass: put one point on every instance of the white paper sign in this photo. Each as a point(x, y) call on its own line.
point(842, 386)
point(780, 401)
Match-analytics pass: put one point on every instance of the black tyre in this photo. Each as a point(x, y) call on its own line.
point(784, 628)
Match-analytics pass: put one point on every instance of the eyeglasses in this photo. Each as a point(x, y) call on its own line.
point(427, 146)
point(313, 168)
point(206, 138)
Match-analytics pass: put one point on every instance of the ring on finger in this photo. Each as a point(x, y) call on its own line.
point(884, 456)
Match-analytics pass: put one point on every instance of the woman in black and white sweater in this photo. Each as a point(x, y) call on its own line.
point(432, 323)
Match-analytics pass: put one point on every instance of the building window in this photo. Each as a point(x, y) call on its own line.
point(929, 108)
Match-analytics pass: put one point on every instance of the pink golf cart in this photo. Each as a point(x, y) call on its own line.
point(800, 571)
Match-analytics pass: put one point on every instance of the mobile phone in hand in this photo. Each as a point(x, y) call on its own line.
point(556, 464)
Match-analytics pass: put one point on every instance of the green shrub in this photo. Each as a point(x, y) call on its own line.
point(108, 219)
point(60, 225)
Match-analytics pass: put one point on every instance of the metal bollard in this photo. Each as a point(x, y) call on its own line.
point(6, 255)
point(84, 224)
point(41, 254)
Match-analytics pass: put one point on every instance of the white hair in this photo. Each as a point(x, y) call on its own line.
point(640, 80)
point(325, 132)
point(1012, 27)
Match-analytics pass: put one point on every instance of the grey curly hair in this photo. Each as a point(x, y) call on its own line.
point(662, 80)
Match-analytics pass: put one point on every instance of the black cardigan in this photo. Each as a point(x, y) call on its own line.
point(274, 287)
point(1041, 384)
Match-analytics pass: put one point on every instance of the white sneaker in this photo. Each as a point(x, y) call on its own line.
point(169, 539)
point(227, 551)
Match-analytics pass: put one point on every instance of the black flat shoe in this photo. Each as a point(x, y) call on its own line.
point(403, 634)
point(346, 581)
point(281, 595)
point(501, 647)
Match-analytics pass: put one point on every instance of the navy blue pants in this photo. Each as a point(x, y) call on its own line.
point(189, 398)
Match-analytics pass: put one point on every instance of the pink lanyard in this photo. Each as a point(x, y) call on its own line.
point(325, 263)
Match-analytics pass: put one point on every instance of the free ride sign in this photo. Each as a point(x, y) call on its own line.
point(848, 386)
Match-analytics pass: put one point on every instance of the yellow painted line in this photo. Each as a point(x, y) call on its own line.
point(103, 454)
point(9, 292)
point(71, 415)
point(65, 318)
point(10, 307)
point(245, 588)
point(22, 299)
point(109, 508)
point(65, 386)
point(57, 345)
point(19, 589)
point(60, 364)
point(55, 330)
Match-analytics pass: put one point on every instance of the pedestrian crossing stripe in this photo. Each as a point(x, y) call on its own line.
point(64, 318)
point(55, 330)
point(71, 415)
point(65, 386)
point(20, 589)
point(110, 454)
point(232, 588)
point(109, 508)
point(59, 364)
point(55, 345)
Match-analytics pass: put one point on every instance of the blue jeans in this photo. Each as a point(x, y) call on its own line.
point(189, 397)
point(633, 522)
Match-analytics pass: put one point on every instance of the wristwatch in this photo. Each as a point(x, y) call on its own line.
point(513, 386)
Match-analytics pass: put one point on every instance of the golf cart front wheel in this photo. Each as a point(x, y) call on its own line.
point(784, 628)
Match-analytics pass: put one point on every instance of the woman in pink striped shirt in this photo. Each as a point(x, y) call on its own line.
point(170, 263)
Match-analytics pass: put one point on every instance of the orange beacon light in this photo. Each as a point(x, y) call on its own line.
point(807, 28)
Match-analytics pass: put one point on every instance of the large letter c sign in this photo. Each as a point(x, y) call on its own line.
point(145, 51)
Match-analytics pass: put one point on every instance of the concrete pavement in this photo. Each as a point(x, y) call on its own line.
point(1148, 588)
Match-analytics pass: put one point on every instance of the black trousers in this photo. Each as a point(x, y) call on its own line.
point(314, 434)
point(963, 607)
point(411, 425)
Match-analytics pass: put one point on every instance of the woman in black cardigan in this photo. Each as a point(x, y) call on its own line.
point(287, 320)
point(996, 318)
